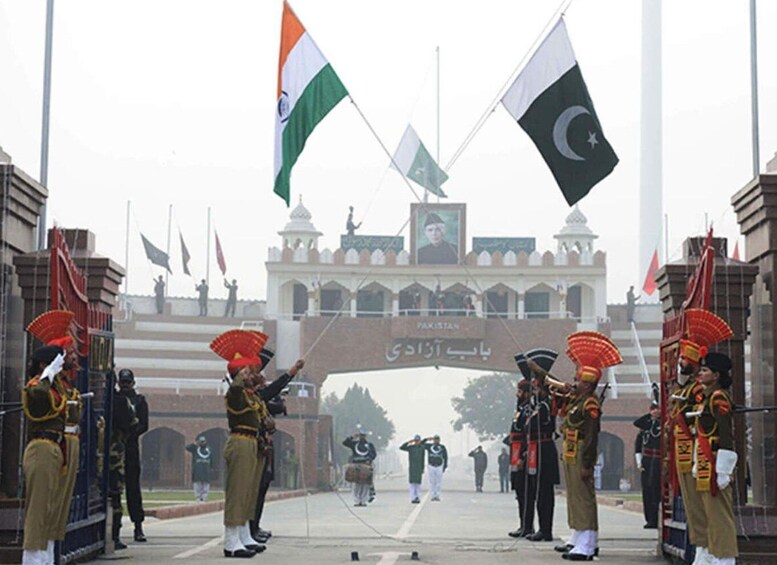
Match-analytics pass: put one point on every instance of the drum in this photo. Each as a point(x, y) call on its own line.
point(358, 473)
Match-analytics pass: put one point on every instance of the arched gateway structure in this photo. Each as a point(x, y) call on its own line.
point(374, 304)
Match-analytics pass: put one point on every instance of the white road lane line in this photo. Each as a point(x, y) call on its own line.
point(388, 557)
point(404, 529)
point(195, 550)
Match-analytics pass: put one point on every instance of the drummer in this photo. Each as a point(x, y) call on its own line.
point(362, 453)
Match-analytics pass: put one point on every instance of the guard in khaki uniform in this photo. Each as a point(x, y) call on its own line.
point(245, 461)
point(44, 406)
point(591, 352)
point(53, 328)
point(703, 329)
point(716, 458)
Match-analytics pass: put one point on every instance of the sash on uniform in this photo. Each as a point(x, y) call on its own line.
point(570, 445)
point(532, 458)
point(706, 480)
point(683, 444)
point(515, 454)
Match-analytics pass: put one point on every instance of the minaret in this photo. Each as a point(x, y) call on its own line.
point(576, 235)
point(651, 144)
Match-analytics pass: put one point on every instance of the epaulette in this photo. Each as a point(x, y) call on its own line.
point(720, 402)
point(593, 407)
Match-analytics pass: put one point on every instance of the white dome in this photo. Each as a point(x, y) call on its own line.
point(576, 225)
point(300, 221)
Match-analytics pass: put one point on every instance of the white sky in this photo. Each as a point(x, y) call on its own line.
point(172, 102)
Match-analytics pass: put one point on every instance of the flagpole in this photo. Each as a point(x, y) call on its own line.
point(207, 253)
point(126, 252)
point(169, 228)
point(754, 89)
point(44, 142)
point(666, 239)
point(438, 113)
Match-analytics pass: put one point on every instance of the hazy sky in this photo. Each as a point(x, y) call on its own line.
point(173, 102)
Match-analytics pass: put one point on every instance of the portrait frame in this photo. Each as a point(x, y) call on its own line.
point(454, 216)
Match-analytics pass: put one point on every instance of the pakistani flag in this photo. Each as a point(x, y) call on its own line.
point(156, 255)
point(551, 103)
point(413, 160)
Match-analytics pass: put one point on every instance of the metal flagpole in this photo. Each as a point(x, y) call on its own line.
point(666, 238)
point(754, 88)
point(438, 119)
point(44, 142)
point(126, 253)
point(207, 256)
point(169, 229)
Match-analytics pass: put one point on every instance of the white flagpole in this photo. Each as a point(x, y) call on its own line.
point(438, 120)
point(126, 252)
point(754, 89)
point(44, 143)
point(207, 256)
point(169, 231)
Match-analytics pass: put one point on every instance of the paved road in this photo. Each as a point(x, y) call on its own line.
point(464, 528)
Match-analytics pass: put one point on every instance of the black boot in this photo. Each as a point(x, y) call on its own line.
point(139, 535)
point(117, 543)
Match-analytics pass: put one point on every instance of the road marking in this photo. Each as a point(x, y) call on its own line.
point(195, 550)
point(388, 557)
point(404, 529)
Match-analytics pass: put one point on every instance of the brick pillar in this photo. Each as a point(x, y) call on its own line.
point(756, 209)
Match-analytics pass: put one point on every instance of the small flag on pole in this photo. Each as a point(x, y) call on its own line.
point(735, 256)
point(308, 88)
point(650, 279)
point(156, 255)
point(550, 101)
point(413, 160)
point(184, 255)
point(220, 255)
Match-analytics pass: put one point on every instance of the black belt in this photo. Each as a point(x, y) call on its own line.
point(56, 437)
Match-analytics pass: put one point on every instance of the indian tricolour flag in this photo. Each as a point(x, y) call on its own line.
point(308, 89)
point(550, 101)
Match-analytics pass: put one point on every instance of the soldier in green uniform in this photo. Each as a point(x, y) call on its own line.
point(703, 329)
point(44, 405)
point(53, 329)
point(591, 352)
point(243, 452)
point(716, 458)
point(415, 455)
point(123, 421)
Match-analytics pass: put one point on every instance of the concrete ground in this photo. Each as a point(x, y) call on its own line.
point(464, 528)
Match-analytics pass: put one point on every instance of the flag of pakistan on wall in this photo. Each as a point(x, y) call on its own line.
point(413, 160)
point(550, 101)
point(308, 88)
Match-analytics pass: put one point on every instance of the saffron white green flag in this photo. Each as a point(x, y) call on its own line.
point(550, 101)
point(413, 160)
point(308, 88)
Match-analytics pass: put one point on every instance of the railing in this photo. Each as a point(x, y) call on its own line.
point(347, 313)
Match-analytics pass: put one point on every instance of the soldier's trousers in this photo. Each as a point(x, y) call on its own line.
point(526, 517)
point(582, 513)
point(540, 491)
point(264, 486)
point(722, 529)
point(68, 483)
point(42, 465)
point(695, 517)
point(244, 466)
point(651, 489)
point(132, 478)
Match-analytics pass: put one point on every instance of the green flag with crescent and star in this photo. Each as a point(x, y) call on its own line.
point(550, 101)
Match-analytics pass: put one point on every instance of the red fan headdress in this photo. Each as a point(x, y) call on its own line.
point(53, 328)
point(592, 352)
point(240, 348)
point(703, 329)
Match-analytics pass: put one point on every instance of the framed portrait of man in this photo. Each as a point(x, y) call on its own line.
point(438, 233)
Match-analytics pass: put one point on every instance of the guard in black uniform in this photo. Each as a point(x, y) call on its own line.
point(517, 444)
point(647, 452)
point(542, 469)
point(271, 393)
point(132, 450)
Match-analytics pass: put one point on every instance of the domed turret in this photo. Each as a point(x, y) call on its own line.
point(576, 235)
point(300, 231)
